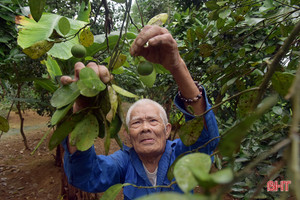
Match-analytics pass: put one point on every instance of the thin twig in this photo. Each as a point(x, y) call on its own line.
point(233, 96)
point(272, 67)
point(141, 14)
point(248, 169)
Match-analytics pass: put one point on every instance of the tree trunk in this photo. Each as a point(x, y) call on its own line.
point(21, 118)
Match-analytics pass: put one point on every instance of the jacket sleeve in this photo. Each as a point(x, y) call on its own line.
point(94, 173)
point(208, 133)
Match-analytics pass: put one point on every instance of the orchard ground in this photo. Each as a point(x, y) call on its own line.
point(26, 176)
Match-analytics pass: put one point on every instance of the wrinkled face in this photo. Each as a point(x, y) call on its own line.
point(148, 133)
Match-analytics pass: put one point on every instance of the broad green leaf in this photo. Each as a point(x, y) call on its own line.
point(191, 35)
point(52, 67)
point(59, 114)
point(223, 176)
point(84, 13)
point(282, 81)
point(204, 179)
point(245, 103)
point(170, 173)
point(205, 50)
point(31, 32)
point(86, 37)
point(119, 141)
point(4, 125)
point(46, 84)
point(225, 13)
point(158, 20)
point(85, 132)
point(62, 131)
point(113, 99)
point(36, 8)
point(123, 92)
point(119, 61)
point(277, 110)
point(112, 192)
point(184, 176)
point(191, 131)
point(89, 83)
point(115, 126)
point(106, 139)
point(65, 95)
point(174, 196)
point(233, 137)
point(64, 25)
point(211, 5)
point(160, 69)
point(149, 80)
point(38, 49)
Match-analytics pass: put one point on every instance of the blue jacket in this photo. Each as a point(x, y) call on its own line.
point(96, 173)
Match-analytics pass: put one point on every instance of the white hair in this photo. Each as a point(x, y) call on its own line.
point(162, 112)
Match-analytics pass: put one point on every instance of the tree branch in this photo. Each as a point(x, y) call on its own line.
point(275, 63)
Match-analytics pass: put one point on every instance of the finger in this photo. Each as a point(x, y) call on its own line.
point(147, 33)
point(95, 67)
point(166, 39)
point(78, 66)
point(65, 80)
point(104, 74)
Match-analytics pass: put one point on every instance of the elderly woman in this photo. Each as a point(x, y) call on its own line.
point(151, 155)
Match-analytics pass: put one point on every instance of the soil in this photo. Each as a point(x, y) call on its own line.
point(27, 175)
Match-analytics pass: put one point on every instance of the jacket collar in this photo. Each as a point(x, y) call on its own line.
point(163, 165)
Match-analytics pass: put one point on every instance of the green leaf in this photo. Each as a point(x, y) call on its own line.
point(149, 80)
point(211, 5)
point(64, 25)
point(46, 84)
point(174, 196)
point(123, 92)
point(282, 81)
point(225, 13)
point(84, 12)
point(191, 131)
point(38, 49)
point(205, 50)
point(191, 35)
point(31, 32)
point(59, 114)
point(4, 125)
point(37, 8)
point(85, 132)
point(223, 176)
point(113, 99)
point(62, 131)
point(52, 67)
point(89, 83)
point(65, 95)
point(112, 192)
point(233, 137)
point(115, 126)
point(158, 20)
point(245, 103)
point(182, 170)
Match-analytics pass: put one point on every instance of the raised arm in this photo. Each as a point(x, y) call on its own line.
point(162, 48)
point(82, 101)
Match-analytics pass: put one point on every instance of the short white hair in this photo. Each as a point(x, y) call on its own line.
point(162, 112)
